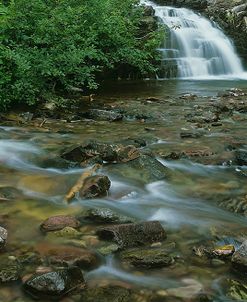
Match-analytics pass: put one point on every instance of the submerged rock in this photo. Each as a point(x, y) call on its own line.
point(9, 269)
point(59, 222)
point(145, 168)
point(95, 186)
point(104, 215)
point(237, 290)
point(3, 237)
point(133, 234)
point(103, 115)
point(241, 157)
point(72, 256)
point(239, 258)
point(107, 294)
point(147, 257)
point(55, 284)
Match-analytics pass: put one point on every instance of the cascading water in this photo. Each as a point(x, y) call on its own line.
point(194, 47)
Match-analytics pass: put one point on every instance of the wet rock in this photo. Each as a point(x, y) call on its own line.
point(237, 290)
point(237, 204)
point(188, 96)
point(108, 249)
point(103, 115)
point(147, 258)
point(9, 269)
point(55, 284)
point(189, 134)
point(59, 222)
point(95, 186)
point(66, 232)
point(214, 252)
point(107, 294)
point(239, 258)
point(146, 169)
point(3, 237)
point(9, 193)
point(241, 157)
point(105, 215)
point(133, 234)
point(63, 255)
point(103, 151)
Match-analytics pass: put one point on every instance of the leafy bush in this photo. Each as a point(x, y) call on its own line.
point(52, 45)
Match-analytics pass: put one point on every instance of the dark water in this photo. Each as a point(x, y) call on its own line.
point(186, 205)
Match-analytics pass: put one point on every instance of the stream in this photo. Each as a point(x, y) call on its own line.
point(191, 204)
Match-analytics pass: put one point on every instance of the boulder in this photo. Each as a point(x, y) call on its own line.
point(241, 157)
point(105, 215)
point(147, 257)
point(107, 294)
point(9, 269)
point(239, 258)
point(95, 186)
point(145, 168)
point(63, 255)
point(59, 222)
point(103, 151)
point(3, 237)
point(103, 115)
point(55, 284)
point(133, 234)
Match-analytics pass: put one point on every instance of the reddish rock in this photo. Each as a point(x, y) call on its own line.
point(59, 222)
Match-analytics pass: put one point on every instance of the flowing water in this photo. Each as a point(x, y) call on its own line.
point(195, 47)
point(186, 205)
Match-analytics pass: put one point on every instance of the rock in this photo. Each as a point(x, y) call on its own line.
point(103, 115)
point(212, 252)
point(145, 169)
point(103, 151)
point(3, 237)
point(241, 157)
point(63, 255)
point(9, 269)
point(9, 193)
point(133, 234)
point(239, 258)
point(59, 222)
point(66, 232)
point(54, 284)
point(147, 257)
point(223, 251)
point(108, 249)
point(95, 186)
point(107, 294)
point(188, 96)
point(189, 134)
point(148, 11)
point(105, 215)
point(237, 290)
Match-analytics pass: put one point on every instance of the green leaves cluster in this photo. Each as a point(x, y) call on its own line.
point(53, 45)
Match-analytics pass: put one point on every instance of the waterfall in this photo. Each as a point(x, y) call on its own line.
point(194, 47)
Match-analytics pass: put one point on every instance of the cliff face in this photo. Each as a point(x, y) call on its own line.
point(231, 15)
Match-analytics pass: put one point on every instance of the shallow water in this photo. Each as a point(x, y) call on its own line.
point(186, 204)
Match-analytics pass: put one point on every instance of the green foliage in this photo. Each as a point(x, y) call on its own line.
point(53, 45)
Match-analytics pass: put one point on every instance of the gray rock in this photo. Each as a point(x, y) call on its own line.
point(104, 115)
point(9, 269)
point(55, 284)
point(147, 257)
point(133, 234)
point(104, 215)
point(241, 157)
point(3, 237)
point(239, 258)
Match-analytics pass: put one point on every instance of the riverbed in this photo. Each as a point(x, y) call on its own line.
point(194, 128)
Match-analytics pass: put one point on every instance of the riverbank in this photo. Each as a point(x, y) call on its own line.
point(176, 157)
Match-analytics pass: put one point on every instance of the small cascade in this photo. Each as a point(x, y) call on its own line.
point(195, 47)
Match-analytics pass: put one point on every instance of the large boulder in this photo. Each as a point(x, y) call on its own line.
point(133, 234)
